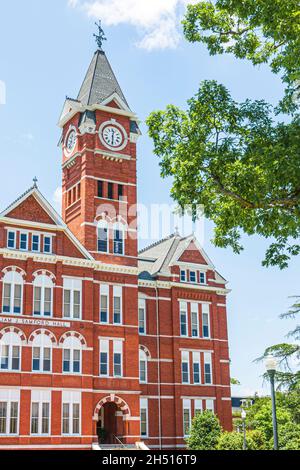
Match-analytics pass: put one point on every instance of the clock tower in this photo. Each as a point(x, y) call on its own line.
point(99, 137)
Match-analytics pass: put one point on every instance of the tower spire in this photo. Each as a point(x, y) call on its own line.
point(100, 37)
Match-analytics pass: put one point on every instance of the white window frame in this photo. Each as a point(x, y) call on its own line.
point(104, 292)
point(143, 358)
point(103, 224)
point(10, 396)
point(43, 342)
point(71, 398)
point(185, 359)
point(27, 237)
point(208, 360)
point(41, 397)
point(44, 282)
point(183, 310)
point(104, 348)
point(15, 239)
point(13, 278)
point(39, 242)
point(121, 228)
point(198, 406)
point(204, 273)
point(195, 311)
point(210, 405)
point(72, 285)
point(144, 406)
point(197, 360)
point(118, 349)
point(186, 406)
point(72, 344)
point(142, 307)
point(194, 272)
point(183, 271)
point(118, 293)
point(11, 340)
point(51, 244)
point(206, 311)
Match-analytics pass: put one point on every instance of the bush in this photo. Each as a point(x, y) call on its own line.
point(205, 432)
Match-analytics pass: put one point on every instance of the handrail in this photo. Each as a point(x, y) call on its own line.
point(119, 441)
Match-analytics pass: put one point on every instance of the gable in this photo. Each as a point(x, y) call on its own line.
point(30, 210)
point(192, 255)
point(113, 104)
point(69, 248)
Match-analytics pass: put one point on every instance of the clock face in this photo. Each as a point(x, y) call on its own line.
point(71, 141)
point(112, 136)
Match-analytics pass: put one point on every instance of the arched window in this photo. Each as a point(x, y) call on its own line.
point(12, 292)
point(102, 235)
point(143, 367)
point(72, 355)
point(41, 353)
point(10, 352)
point(42, 296)
point(119, 237)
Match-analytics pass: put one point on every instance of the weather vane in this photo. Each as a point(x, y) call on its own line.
point(100, 38)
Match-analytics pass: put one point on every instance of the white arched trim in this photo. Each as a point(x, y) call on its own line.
point(145, 351)
point(13, 269)
point(13, 332)
point(112, 399)
point(43, 272)
point(67, 338)
point(42, 332)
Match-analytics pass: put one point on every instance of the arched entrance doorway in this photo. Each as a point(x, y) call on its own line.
point(111, 420)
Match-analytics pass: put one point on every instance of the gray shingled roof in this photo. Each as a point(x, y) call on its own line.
point(100, 82)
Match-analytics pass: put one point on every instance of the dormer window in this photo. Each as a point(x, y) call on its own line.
point(202, 278)
point(11, 240)
point(193, 277)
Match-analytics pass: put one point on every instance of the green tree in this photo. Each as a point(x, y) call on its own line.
point(233, 159)
point(234, 441)
point(205, 432)
point(288, 355)
point(262, 32)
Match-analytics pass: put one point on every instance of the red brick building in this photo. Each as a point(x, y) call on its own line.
point(94, 335)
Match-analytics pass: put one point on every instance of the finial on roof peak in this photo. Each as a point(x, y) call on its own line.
point(100, 37)
point(35, 181)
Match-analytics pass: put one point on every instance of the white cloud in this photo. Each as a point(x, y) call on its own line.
point(57, 198)
point(157, 21)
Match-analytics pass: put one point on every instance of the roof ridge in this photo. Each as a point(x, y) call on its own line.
point(19, 198)
point(157, 243)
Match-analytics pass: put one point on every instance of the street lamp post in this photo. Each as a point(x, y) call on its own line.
point(243, 416)
point(271, 366)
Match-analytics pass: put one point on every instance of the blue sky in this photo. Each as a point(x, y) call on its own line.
point(45, 49)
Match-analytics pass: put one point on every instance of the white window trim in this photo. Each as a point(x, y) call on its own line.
point(27, 241)
point(103, 224)
point(71, 402)
point(72, 287)
point(206, 306)
point(186, 405)
point(71, 371)
point(10, 345)
point(196, 359)
point(42, 348)
point(143, 358)
point(185, 359)
point(117, 349)
point(51, 244)
point(8, 416)
point(209, 361)
point(12, 283)
point(118, 293)
point(195, 272)
point(205, 278)
point(105, 350)
point(142, 306)
point(144, 405)
point(43, 285)
point(39, 433)
point(185, 275)
point(39, 238)
point(121, 228)
point(104, 291)
point(195, 310)
point(15, 239)
point(185, 311)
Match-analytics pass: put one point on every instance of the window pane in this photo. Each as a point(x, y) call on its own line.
point(185, 372)
point(67, 303)
point(194, 316)
point(15, 363)
point(117, 310)
point(143, 422)
point(23, 241)
point(66, 360)
point(17, 298)
point(186, 421)
point(66, 419)
point(118, 242)
point(36, 359)
point(142, 371)
point(117, 364)
point(45, 418)
point(192, 276)
point(196, 368)
point(76, 418)
point(76, 304)
point(35, 243)
point(142, 326)
point(76, 361)
point(35, 418)
point(6, 297)
point(37, 300)
point(104, 309)
point(13, 425)
point(103, 364)
point(47, 360)
point(207, 372)
point(3, 415)
point(47, 301)
point(11, 240)
point(205, 323)
point(102, 240)
point(4, 357)
point(183, 326)
point(47, 244)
